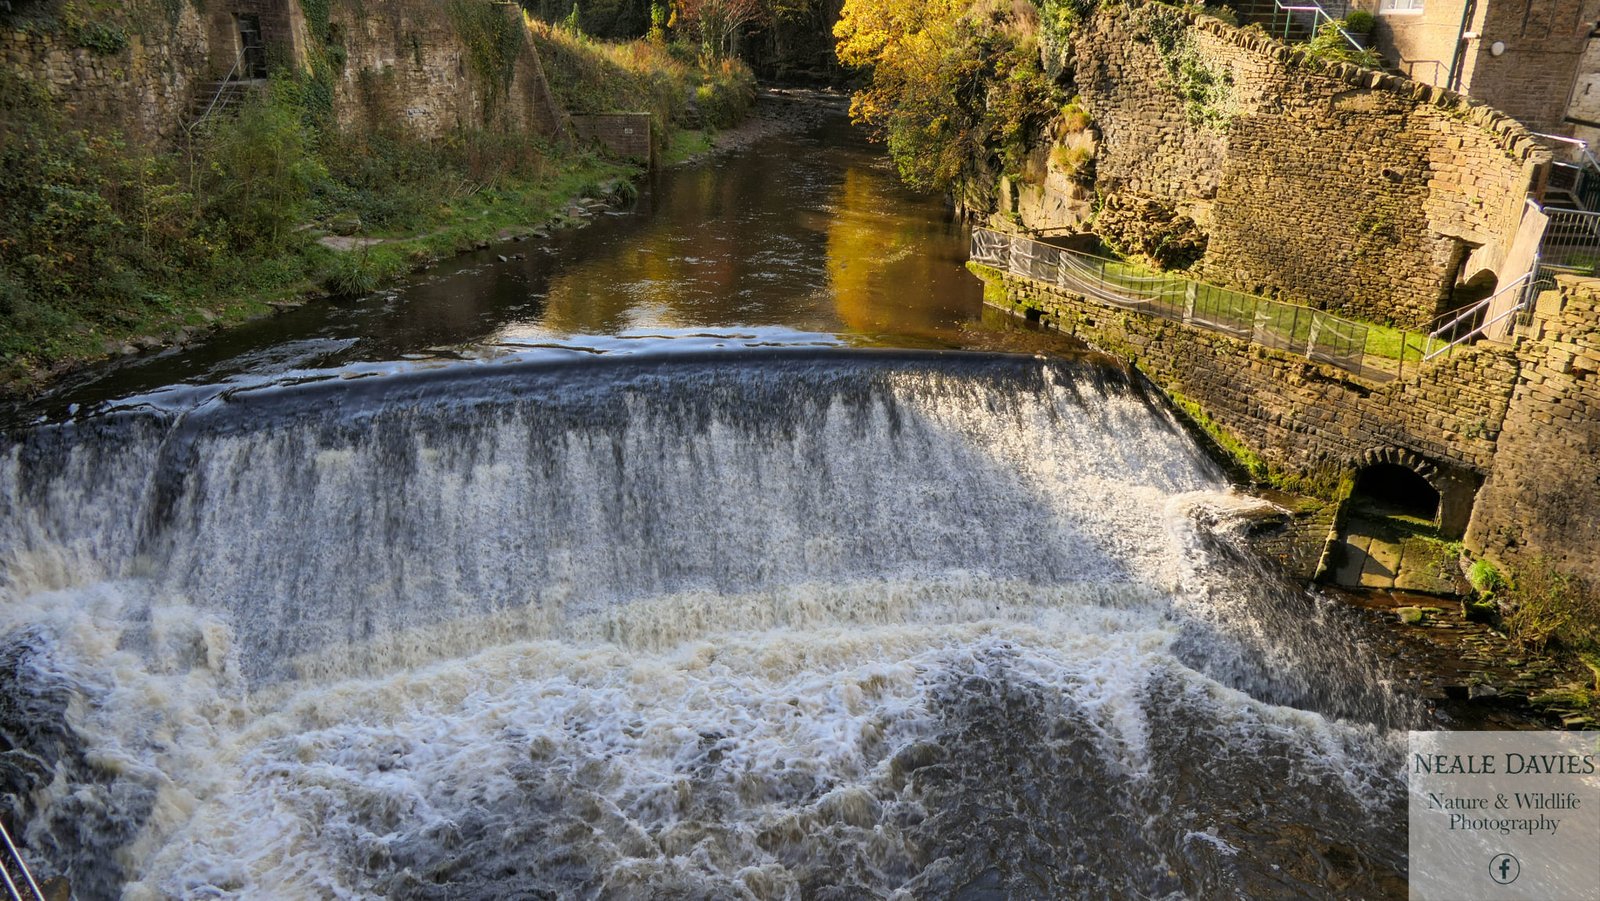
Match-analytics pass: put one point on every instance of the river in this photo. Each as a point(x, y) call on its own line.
point(710, 551)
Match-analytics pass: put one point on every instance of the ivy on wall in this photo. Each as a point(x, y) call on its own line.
point(494, 40)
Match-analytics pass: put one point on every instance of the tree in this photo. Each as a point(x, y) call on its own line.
point(954, 83)
point(718, 23)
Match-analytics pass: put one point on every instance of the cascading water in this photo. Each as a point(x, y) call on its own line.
point(778, 624)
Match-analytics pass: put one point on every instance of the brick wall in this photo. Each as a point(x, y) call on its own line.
point(623, 135)
point(1543, 496)
point(1346, 189)
point(1544, 44)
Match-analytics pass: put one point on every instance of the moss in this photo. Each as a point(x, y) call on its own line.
point(994, 287)
point(1237, 450)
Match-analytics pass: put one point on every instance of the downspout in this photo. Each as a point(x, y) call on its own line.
point(1453, 82)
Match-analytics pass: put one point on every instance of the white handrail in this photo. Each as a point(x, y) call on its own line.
point(1477, 331)
point(15, 857)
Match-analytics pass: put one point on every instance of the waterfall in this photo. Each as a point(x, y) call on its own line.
point(766, 624)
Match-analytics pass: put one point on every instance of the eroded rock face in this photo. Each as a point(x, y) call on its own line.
point(1146, 226)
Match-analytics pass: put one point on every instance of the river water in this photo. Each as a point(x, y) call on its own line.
point(684, 560)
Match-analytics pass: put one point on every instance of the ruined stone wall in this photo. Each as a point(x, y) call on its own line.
point(415, 64)
point(1346, 189)
point(1543, 497)
point(143, 90)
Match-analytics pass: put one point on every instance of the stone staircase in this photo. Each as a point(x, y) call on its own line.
point(217, 100)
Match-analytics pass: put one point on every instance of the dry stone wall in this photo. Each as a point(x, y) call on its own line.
point(1347, 189)
point(1542, 499)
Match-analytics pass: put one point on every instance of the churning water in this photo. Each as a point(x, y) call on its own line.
point(783, 624)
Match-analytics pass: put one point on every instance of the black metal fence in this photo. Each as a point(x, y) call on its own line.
point(1284, 326)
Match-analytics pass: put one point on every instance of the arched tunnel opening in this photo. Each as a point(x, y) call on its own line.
point(1390, 489)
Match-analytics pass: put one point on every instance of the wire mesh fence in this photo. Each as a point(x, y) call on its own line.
point(1283, 326)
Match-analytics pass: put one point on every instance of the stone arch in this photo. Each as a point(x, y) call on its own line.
point(1455, 487)
point(1398, 481)
point(1473, 288)
point(1399, 456)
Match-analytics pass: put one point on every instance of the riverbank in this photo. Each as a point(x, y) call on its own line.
point(111, 248)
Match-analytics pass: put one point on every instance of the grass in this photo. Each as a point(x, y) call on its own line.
point(1291, 323)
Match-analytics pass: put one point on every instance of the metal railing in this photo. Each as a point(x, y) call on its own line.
point(20, 885)
point(1282, 19)
point(1314, 334)
point(1571, 242)
point(1428, 71)
point(223, 87)
point(1467, 324)
point(1575, 171)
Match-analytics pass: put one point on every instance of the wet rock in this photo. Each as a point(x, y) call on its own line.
point(1411, 616)
point(1475, 692)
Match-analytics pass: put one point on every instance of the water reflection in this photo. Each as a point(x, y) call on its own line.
point(808, 231)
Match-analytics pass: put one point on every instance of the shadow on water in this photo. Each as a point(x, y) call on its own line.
point(805, 231)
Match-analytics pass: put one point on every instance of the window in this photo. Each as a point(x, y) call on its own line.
point(1399, 6)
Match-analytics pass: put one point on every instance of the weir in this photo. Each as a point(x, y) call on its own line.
point(754, 621)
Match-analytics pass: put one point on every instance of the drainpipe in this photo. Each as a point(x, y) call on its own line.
point(1453, 82)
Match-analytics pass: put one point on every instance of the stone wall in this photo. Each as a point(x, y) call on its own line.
point(144, 89)
point(1306, 419)
point(1346, 189)
point(393, 61)
point(415, 64)
point(1543, 497)
point(1544, 42)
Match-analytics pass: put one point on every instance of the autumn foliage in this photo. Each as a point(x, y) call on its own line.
point(956, 85)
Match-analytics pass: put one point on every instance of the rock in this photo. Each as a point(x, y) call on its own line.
point(1475, 692)
point(482, 245)
point(1411, 616)
point(502, 258)
point(147, 342)
point(345, 224)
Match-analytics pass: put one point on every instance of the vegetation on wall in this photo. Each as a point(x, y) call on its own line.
point(588, 76)
point(1206, 90)
point(494, 40)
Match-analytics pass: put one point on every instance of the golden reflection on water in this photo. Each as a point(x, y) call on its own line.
point(810, 232)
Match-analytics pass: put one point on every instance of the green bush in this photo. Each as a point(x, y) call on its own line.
point(259, 175)
point(1548, 605)
point(1485, 578)
point(1359, 21)
point(1328, 44)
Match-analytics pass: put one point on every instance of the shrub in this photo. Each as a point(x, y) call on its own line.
point(1548, 605)
point(1359, 21)
point(1485, 578)
point(260, 173)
